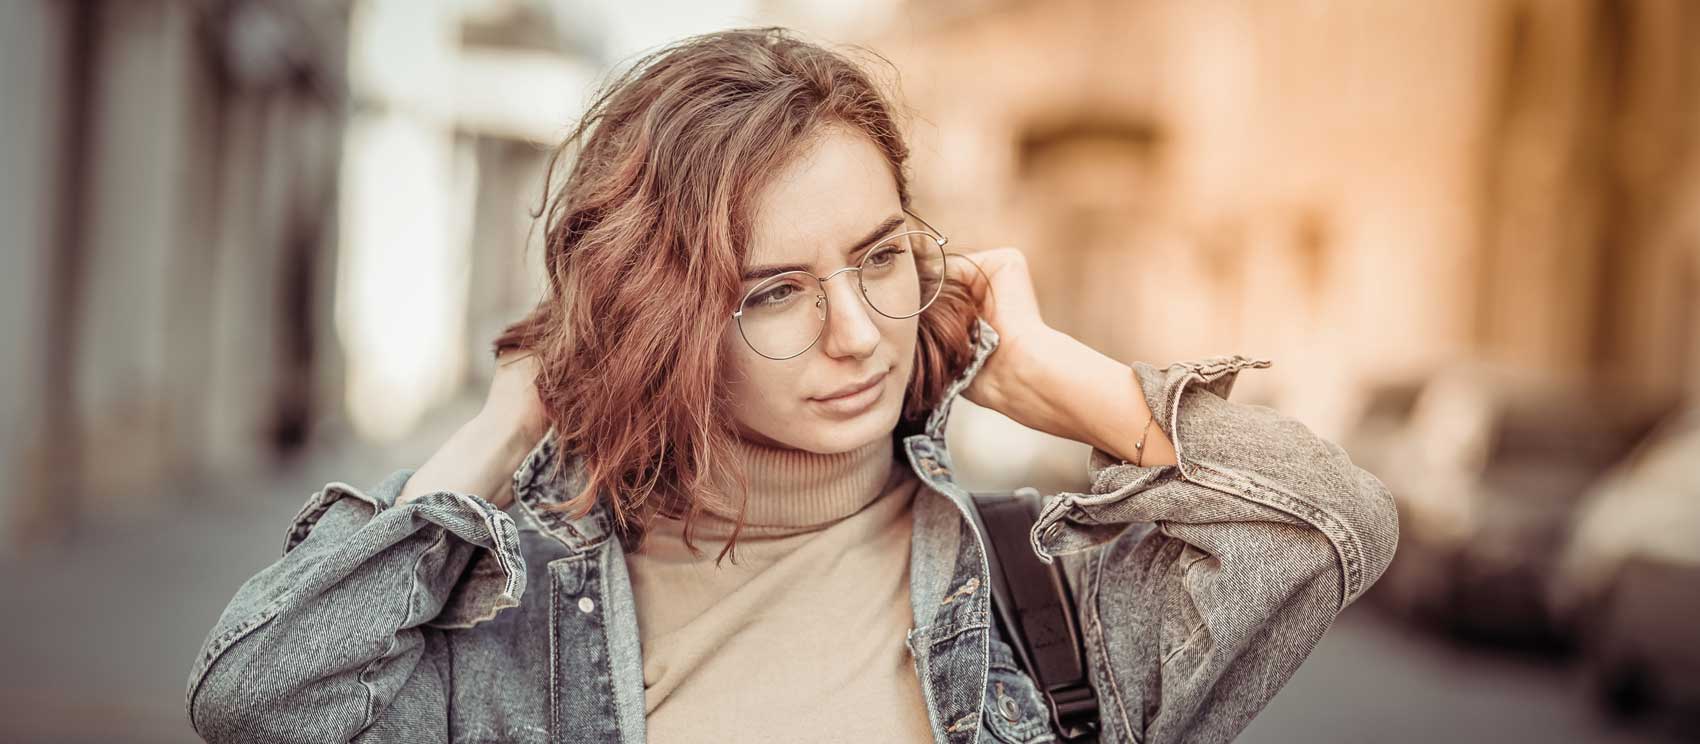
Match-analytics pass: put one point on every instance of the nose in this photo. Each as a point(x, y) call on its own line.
point(850, 329)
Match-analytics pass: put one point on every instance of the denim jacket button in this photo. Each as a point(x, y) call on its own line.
point(1006, 706)
point(585, 604)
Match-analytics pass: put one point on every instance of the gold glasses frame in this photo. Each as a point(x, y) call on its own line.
point(820, 284)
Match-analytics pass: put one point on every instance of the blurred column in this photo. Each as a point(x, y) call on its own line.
point(253, 330)
point(164, 253)
point(402, 282)
point(1648, 333)
point(39, 47)
point(132, 212)
point(507, 264)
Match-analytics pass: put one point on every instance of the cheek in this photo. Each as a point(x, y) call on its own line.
point(761, 389)
point(904, 336)
point(755, 382)
point(735, 366)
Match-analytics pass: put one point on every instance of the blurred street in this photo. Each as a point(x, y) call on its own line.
point(1373, 680)
point(94, 656)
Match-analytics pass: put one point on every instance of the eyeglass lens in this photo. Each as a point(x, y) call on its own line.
point(785, 314)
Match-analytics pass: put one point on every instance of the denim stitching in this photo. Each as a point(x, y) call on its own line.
point(203, 665)
point(922, 661)
point(493, 521)
point(554, 660)
point(978, 623)
point(1237, 484)
point(1106, 669)
point(371, 716)
point(300, 527)
point(987, 343)
point(961, 724)
point(1193, 634)
point(1345, 546)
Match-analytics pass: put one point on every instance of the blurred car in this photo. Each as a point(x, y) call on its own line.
point(1375, 438)
point(1490, 469)
point(1628, 578)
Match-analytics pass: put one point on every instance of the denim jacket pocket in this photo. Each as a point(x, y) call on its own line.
point(1015, 711)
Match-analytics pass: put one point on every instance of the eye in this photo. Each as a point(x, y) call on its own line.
point(886, 255)
point(775, 295)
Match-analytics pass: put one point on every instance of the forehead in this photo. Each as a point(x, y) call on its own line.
point(833, 191)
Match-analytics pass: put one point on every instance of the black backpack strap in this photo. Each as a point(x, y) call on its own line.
point(1035, 609)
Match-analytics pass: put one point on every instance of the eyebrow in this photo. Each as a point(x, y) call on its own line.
point(879, 231)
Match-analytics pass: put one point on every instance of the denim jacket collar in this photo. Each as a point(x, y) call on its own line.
point(535, 484)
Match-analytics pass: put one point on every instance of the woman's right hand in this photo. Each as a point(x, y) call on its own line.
point(480, 458)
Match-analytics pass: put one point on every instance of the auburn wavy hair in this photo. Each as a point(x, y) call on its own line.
point(644, 243)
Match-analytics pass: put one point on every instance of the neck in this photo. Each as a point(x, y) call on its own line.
point(793, 490)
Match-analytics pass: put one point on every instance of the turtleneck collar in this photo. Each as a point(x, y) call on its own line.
point(793, 490)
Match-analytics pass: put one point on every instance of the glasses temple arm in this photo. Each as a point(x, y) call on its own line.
point(941, 236)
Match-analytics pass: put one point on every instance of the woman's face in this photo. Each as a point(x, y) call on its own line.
point(814, 213)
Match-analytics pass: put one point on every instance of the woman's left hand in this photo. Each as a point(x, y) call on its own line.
point(1045, 379)
point(1005, 298)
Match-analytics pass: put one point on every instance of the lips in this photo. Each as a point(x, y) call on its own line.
point(853, 388)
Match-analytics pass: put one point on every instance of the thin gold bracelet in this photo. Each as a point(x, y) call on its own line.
point(1139, 446)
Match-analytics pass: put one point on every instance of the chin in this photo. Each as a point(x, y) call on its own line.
point(843, 436)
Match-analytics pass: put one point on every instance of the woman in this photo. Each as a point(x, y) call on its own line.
point(750, 344)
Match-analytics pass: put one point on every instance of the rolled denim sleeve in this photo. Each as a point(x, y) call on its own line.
point(1204, 584)
point(342, 638)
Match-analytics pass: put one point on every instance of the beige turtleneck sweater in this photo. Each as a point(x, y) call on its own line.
point(803, 639)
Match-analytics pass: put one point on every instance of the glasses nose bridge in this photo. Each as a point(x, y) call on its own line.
point(823, 279)
point(825, 303)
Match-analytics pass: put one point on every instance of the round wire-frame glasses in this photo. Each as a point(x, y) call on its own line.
point(820, 297)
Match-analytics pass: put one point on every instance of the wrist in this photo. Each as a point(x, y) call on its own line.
point(509, 437)
point(1071, 390)
point(479, 458)
point(1047, 392)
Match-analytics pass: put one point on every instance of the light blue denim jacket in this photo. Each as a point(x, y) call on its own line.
point(1201, 587)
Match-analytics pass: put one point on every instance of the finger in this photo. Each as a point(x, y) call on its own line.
point(969, 270)
point(1010, 283)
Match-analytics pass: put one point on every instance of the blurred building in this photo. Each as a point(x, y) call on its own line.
point(170, 169)
point(235, 226)
point(1363, 192)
